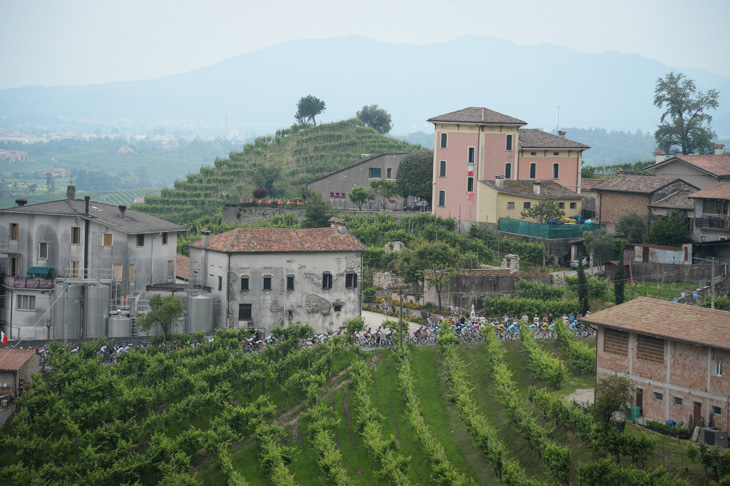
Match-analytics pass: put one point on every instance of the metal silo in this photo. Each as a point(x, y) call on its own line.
point(68, 328)
point(120, 327)
point(200, 309)
point(97, 306)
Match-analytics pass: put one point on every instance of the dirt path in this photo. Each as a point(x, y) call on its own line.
point(583, 396)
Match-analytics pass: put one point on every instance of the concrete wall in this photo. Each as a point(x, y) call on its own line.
point(308, 303)
point(687, 173)
point(685, 373)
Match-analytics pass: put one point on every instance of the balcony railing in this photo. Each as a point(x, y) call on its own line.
point(713, 222)
point(28, 283)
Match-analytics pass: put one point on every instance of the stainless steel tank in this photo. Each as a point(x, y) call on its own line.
point(97, 307)
point(200, 310)
point(120, 327)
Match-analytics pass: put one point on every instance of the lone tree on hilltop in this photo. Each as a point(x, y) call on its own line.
point(308, 108)
point(545, 211)
point(415, 175)
point(165, 312)
point(684, 124)
point(376, 118)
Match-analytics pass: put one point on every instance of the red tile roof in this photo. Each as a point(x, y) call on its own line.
point(534, 138)
point(182, 267)
point(667, 320)
point(14, 359)
point(475, 114)
point(717, 165)
point(283, 240)
point(641, 184)
point(721, 190)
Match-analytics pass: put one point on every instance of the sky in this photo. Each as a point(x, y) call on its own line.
point(80, 42)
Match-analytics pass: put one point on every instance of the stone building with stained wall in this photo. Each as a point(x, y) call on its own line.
point(262, 278)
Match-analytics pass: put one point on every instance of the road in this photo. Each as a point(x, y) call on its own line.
point(374, 319)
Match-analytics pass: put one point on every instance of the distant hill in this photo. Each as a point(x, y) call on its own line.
point(258, 91)
point(282, 163)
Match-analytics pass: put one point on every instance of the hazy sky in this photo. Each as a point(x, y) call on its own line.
point(53, 42)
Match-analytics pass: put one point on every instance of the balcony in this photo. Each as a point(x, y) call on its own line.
point(28, 283)
point(715, 222)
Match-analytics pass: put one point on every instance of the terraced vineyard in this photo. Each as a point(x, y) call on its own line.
point(125, 196)
point(447, 414)
point(285, 162)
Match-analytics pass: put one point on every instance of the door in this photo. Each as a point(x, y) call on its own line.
point(639, 398)
point(697, 414)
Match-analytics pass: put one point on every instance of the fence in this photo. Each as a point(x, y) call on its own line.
point(548, 231)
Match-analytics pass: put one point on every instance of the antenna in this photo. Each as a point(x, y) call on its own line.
point(558, 129)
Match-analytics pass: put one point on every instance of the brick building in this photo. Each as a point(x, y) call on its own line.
point(674, 354)
point(17, 367)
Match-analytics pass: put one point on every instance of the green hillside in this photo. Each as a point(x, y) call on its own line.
point(282, 163)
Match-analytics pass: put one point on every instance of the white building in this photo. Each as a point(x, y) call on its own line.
point(260, 278)
point(72, 262)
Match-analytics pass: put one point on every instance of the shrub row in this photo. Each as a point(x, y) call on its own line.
point(542, 363)
point(667, 429)
point(508, 470)
point(579, 353)
point(274, 456)
point(556, 456)
point(329, 458)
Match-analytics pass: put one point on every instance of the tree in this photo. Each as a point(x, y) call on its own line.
point(260, 192)
point(415, 175)
point(670, 230)
point(359, 195)
point(599, 243)
point(308, 108)
point(613, 394)
point(633, 226)
point(317, 213)
point(618, 282)
point(684, 124)
point(265, 175)
point(582, 287)
point(545, 211)
point(376, 118)
point(434, 261)
point(383, 190)
point(165, 312)
point(50, 183)
point(32, 188)
point(587, 172)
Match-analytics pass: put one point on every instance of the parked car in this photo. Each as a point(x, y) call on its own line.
point(419, 206)
point(574, 263)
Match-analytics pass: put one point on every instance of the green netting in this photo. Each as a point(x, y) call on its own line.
point(549, 231)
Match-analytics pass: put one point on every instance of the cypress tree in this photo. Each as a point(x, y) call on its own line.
point(618, 281)
point(582, 287)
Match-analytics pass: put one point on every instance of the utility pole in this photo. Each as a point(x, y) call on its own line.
point(712, 284)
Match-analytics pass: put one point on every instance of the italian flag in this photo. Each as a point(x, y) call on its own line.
point(471, 170)
point(4, 338)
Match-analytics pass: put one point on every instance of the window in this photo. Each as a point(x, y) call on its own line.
point(470, 158)
point(170, 269)
point(107, 239)
point(556, 171)
point(244, 312)
point(658, 396)
point(509, 143)
point(220, 283)
point(469, 184)
point(26, 302)
point(444, 140)
point(717, 368)
point(573, 205)
point(131, 277)
point(442, 168)
point(140, 240)
point(267, 282)
point(526, 205)
point(75, 267)
point(715, 206)
point(510, 205)
point(442, 198)
point(556, 153)
point(117, 267)
point(716, 410)
point(561, 205)
point(326, 280)
point(650, 349)
point(678, 401)
point(533, 170)
point(164, 238)
point(43, 251)
point(244, 283)
point(374, 173)
point(290, 282)
point(351, 280)
point(533, 153)
point(75, 235)
point(390, 173)
point(14, 231)
point(13, 264)
point(616, 342)
point(703, 237)
point(508, 170)
point(338, 307)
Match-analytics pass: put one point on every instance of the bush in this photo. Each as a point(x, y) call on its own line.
point(535, 290)
point(667, 429)
point(517, 306)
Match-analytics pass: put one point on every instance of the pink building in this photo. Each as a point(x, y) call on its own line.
point(475, 144)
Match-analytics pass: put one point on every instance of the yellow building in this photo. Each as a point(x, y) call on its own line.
point(507, 199)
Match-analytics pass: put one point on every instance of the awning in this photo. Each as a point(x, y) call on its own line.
point(39, 271)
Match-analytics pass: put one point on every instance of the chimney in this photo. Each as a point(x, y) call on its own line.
point(660, 155)
point(364, 157)
point(122, 210)
point(86, 205)
point(536, 187)
point(71, 193)
point(339, 224)
point(21, 202)
point(719, 149)
point(206, 237)
point(499, 181)
point(561, 133)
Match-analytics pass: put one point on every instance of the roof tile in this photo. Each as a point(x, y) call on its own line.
point(634, 183)
point(721, 190)
point(534, 138)
point(283, 240)
point(476, 114)
point(14, 359)
point(548, 189)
